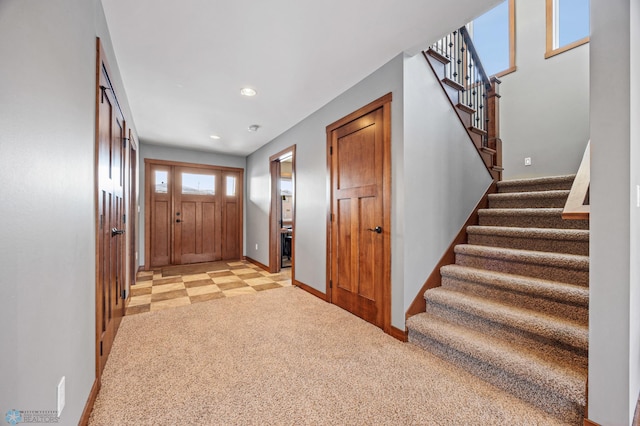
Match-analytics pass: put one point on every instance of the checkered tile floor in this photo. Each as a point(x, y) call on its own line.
point(154, 290)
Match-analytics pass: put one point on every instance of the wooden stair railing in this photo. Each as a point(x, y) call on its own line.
point(577, 206)
point(473, 95)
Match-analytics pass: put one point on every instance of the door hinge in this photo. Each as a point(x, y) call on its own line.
point(124, 218)
point(124, 294)
point(102, 90)
point(330, 283)
point(124, 142)
point(100, 348)
point(101, 221)
point(331, 150)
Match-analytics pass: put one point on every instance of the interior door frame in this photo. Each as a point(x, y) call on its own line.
point(275, 253)
point(384, 103)
point(132, 217)
point(147, 200)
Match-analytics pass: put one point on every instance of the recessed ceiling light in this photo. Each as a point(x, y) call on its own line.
point(214, 137)
point(247, 91)
point(254, 128)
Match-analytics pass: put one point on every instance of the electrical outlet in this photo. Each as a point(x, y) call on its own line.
point(256, 246)
point(61, 395)
point(527, 161)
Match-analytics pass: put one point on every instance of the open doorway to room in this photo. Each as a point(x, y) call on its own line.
point(282, 214)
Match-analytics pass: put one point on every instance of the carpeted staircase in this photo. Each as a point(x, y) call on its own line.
point(513, 309)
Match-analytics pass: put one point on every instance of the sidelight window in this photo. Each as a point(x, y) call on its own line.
point(231, 186)
point(161, 181)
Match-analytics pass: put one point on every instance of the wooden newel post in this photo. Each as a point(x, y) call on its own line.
point(493, 131)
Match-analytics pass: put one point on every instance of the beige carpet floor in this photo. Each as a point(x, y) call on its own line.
point(285, 357)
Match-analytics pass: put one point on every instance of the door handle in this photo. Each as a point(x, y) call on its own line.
point(116, 231)
point(377, 230)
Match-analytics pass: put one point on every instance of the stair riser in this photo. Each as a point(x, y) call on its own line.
point(538, 396)
point(564, 344)
point(560, 309)
point(523, 221)
point(526, 203)
point(535, 244)
point(520, 267)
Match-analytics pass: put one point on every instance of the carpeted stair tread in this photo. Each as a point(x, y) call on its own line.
point(560, 377)
point(537, 184)
point(532, 199)
point(534, 323)
point(529, 218)
point(570, 261)
point(553, 290)
point(567, 301)
point(570, 241)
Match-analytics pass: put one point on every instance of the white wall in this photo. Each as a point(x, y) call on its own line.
point(158, 152)
point(47, 238)
point(545, 103)
point(309, 136)
point(444, 177)
point(614, 308)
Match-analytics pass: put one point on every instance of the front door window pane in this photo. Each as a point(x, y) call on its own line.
point(196, 184)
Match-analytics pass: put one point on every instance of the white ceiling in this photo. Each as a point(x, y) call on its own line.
point(183, 63)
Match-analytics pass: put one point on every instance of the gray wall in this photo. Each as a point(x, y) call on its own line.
point(545, 103)
point(47, 239)
point(157, 152)
point(444, 177)
point(614, 307)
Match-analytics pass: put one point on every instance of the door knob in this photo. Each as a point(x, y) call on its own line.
point(116, 231)
point(377, 230)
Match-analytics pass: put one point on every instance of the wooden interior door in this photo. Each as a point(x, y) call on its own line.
point(197, 215)
point(359, 234)
point(110, 284)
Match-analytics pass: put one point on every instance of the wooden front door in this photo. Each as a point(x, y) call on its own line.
point(110, 283)
point(359, 256)
point(197, 216)
point(194, 213)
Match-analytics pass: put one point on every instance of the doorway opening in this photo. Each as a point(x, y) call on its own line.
point(282, 213)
